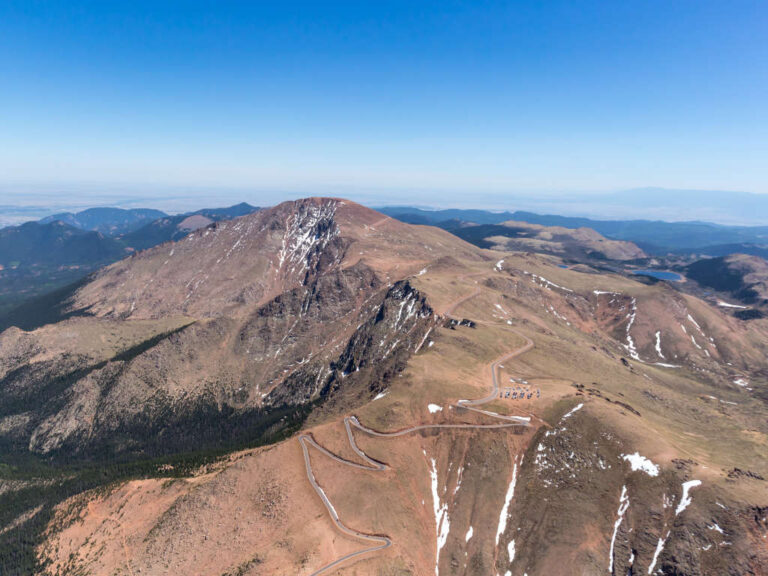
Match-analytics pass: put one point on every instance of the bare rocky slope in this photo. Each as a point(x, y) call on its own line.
point(622, 427)
point(738, 276)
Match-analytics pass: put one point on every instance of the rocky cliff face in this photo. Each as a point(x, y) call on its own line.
point(378, 349)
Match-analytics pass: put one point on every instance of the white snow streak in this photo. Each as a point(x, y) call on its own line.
point(694, 323)
point(546, 283)
point(630, 346)
point(434, 408)
point(569, 414)
point(469, 534)
point(727, 305)
point(423, 340)
point(685, 500)
point(623, 505)
point(458, 479)
point(658, 345)
point(505, 509)
point(442, 524)
point(659, 548)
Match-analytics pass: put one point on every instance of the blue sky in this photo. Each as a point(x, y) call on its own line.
point(431, 98)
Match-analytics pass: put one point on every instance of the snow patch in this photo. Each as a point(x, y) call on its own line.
point(716, 528)
point(381, 395)
point(469, 533)
point(639, 462)
point(434, 408)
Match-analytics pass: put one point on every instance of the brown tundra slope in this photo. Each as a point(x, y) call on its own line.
point(578, 243)
point(621, 427)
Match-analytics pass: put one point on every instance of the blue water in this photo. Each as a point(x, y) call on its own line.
point(660, 274)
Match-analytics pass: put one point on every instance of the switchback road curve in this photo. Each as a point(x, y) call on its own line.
point(380, 542)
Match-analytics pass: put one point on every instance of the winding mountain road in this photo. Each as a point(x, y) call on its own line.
point(382, 541)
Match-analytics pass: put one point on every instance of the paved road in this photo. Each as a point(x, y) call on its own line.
point(380, 541)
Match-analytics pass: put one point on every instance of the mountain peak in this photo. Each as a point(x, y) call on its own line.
point(249, 260)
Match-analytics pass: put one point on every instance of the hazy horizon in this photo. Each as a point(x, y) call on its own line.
point(719, 207)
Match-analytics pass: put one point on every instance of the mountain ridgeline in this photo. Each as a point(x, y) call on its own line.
point(275, 393)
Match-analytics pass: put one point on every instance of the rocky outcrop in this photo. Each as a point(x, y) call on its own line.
point(378, 349)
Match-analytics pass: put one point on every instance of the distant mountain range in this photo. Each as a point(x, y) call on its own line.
point(119, 221)
point(654, 237)
point(108, 221)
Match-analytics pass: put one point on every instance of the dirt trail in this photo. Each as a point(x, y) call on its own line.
point(382, 541)
point(124, 538)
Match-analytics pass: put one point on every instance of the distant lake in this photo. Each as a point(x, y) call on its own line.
point(660, 275)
